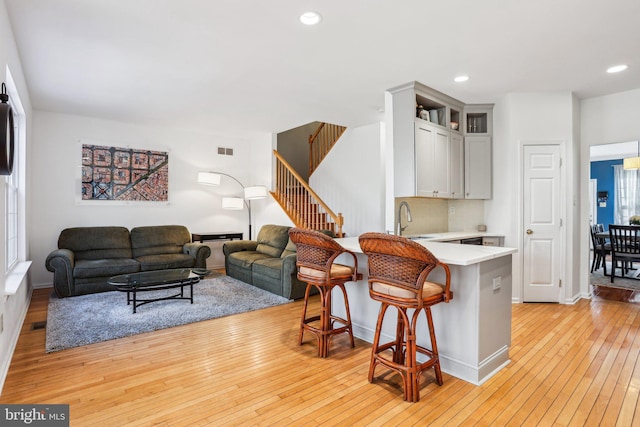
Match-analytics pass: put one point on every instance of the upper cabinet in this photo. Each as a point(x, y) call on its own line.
point(456, 173)
point(478, 127)
point(477, 167)
point(428, 130)
point(478, 119)
point(438, 162)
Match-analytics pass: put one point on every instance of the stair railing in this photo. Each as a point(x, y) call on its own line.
point(321, 142)
point(301, 204)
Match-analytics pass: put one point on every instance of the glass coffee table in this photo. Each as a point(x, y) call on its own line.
point(155, 280)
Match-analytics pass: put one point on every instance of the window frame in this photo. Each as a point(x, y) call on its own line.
point(15, 261)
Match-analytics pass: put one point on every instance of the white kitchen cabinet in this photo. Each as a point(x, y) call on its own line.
point(478, 127)
point(438, 161)
point(456, 172)
point(477, 167)
point(478, 119)
point(429, 153)
point(492, 241)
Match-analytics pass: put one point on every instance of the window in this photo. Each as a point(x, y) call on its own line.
point(14, 203)
point(627, 194)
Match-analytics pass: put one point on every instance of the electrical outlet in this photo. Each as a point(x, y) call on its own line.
point(497, 283)
point(452, 210)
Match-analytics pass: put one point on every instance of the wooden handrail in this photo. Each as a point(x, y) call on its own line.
point(300, 202)
point(321, 142)
point(315, 134)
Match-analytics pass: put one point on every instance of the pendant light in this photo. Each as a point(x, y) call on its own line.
point(632, 163)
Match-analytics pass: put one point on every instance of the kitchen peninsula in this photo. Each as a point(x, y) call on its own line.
point(473, 330)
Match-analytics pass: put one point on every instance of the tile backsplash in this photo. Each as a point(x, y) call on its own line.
point(466, 216)
point(438, 215)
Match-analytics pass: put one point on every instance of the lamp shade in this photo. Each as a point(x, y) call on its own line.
point(255, 192)
point(208, 178)
point(631, 163)
point(233, 203)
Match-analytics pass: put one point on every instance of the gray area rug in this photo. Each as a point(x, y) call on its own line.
point(598, 278)
point(87, 319)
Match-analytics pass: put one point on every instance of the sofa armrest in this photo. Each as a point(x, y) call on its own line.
point(292, 287)
point(199, 251)
point(238, 245)
point(289, 265)
point(61, 262)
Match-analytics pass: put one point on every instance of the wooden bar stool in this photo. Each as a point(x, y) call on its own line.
point(316, 253)
point(398, 271)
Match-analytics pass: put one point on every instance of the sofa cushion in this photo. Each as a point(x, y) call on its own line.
point(165, 261)
point(245, 259)
point(95, 243)
point(104, 267)
point(272, 239)
point(289, 249)
point(159, 239)
point(270, 267)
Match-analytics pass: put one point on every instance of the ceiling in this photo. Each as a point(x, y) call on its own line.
point(245, 66)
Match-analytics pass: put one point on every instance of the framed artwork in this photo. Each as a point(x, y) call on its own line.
point(123, 174)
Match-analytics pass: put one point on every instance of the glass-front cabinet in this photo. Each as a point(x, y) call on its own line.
point(478, 119)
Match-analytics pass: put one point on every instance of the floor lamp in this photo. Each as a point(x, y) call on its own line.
point(234, 203)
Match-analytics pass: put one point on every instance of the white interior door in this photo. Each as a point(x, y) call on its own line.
point(542, 255)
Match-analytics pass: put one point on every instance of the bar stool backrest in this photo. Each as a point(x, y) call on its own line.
point(400, 262)
point(317, 251)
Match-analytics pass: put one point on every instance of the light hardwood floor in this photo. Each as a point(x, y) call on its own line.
point(570, 365)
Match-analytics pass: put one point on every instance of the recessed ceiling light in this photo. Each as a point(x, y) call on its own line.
point(617, 68)
point(461, 79)
point(310, 18)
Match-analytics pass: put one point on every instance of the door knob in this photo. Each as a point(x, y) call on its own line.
point(529, 231)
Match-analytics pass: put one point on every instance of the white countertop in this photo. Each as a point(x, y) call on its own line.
point(449, 253)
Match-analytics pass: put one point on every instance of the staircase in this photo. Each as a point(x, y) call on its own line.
point(321, 142)
point(301, 204)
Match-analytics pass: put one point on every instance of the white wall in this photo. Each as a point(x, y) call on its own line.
point(54, 166)
point(293, 145)
point(351, 179)
point(13, 308)
point(522, 117)
point(603, 120)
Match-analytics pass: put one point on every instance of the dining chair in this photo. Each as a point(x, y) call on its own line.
point(601, 248)
point(625, 248)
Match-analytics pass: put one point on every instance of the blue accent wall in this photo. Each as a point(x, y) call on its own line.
point(603, 172)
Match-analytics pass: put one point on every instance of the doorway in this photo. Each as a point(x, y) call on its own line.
point(602, 200)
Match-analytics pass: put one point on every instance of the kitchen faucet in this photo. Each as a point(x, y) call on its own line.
point(400, 228)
